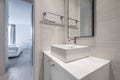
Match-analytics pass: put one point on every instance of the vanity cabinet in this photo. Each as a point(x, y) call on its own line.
point(52, 71)
point(90, 68)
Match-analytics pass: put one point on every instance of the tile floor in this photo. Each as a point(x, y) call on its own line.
point(21, 68)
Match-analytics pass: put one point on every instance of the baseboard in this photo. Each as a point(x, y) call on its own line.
point(4, 77)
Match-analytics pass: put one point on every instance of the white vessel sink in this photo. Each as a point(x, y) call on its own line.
point(68, 53)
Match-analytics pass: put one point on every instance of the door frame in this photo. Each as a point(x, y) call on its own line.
point(33, 36)
point(33, 39)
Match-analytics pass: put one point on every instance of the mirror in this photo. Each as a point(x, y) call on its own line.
point(81, 18)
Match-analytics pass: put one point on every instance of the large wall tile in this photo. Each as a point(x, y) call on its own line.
point(108, 34)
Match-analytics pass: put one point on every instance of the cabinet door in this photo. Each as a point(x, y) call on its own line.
point(51, 71)
point(46, 68)
point(56, 74)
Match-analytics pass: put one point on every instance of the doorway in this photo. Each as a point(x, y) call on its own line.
point(20, 40)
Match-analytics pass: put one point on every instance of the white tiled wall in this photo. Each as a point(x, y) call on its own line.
point(91, 42)
point(45, 35)
point(108, 34)
point(107, 41)
point(51, 34)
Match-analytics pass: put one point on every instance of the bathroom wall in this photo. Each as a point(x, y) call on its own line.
point(89, 41)
point(37, 56)
point(51, 34)
point(45, 35)
point(108, 34)
point(106, 43)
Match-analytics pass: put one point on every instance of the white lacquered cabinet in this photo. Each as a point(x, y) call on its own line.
point(56, 74)
point(90, 68)
point(52, 72)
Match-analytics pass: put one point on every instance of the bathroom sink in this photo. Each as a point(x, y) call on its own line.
point(68, 53)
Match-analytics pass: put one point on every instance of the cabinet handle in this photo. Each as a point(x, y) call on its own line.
point(51, 64)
